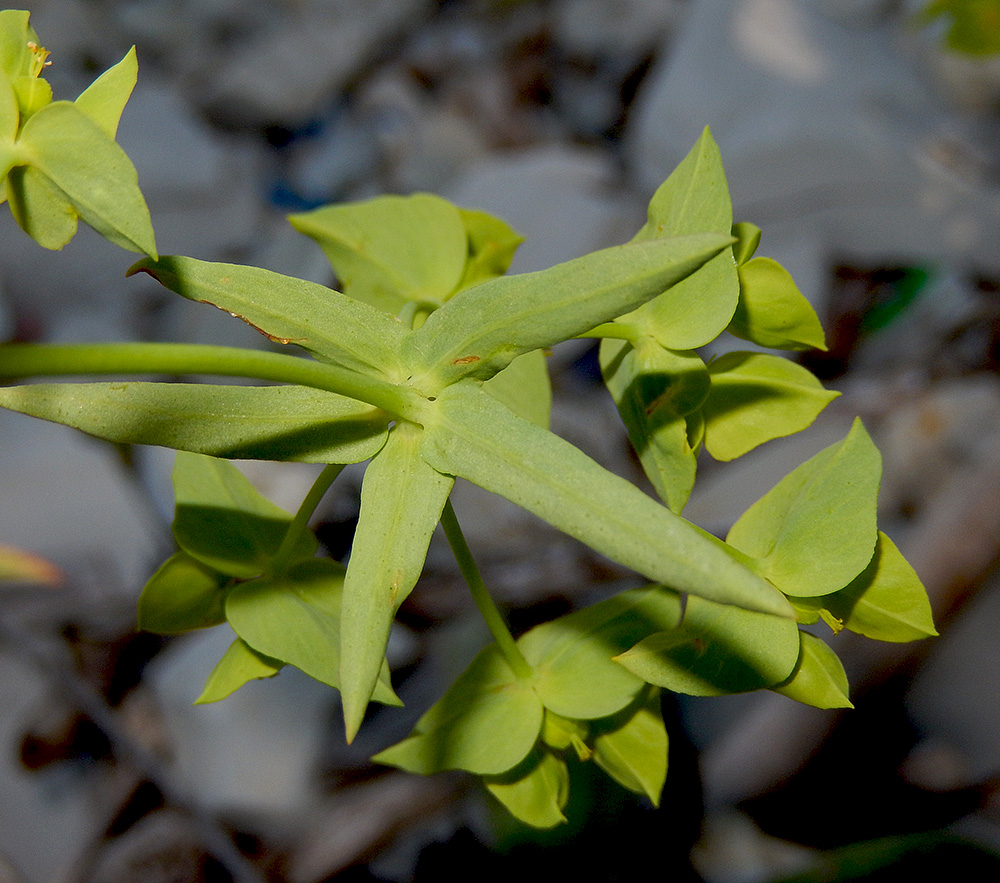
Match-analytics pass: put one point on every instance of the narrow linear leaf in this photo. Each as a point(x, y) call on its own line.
point(632, 748)
point(237, 422)
point(575, 675)
point(221, 520)
point(485, 723)
point(772, 312)
point(476, 437)
point(79, 157)
point(482, 331)
point(182, 595)
point(401, 503)
point(239, 664)
point(332, 326)
point(717, 649)
point(755, 398)
point(391, 249)
point(818, 678)
point(295, 616)
point(536, 791)
point(814, 531)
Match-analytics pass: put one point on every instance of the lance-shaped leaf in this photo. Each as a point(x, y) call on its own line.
point(223, 522)
point(486, 723)
point(237, 422)
point(655, 389)
point(392, 249)
point(571, 656)
point(772, 311)
point(818, 678)
point(536, 791)
point(755, 398)
point(717, 649)
point(482, 331)
point(182, 595)
point(401, 503)
point(631, 747)
point(694, 199)
point(476, 437)
point(94, 173)
point(332, 326)
point(886, 601)
point(239, 664)
point(814, 531)
point(295, 617)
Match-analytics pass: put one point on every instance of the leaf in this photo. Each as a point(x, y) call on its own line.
point(654, 390)
point(485, 723)
point(491, 243)
point(295, 617)
point(717, 649)
point(483, 330)
point(524, 387)
point(748, 238)
point(401, 503)
point(15, 34)
point(223, 522)
point(694, 199)
point(239, 664)
point(238, 422)
point(10, 118)
point(182, 595)
point(88, 166)
point(536, 791)
point(818, 678)
point(632, 748)
point(575, 675)
point(335, 328)
point(476, 437)
point(772, 311)
point(40, 208)
point(814, 531)
point(755, 398)
point(105, 99)
point(390, 250)
point(886, 601)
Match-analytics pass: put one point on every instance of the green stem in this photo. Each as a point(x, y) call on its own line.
point(30, 360)
point(480, 594)
point(616, 330)
point(300, 523)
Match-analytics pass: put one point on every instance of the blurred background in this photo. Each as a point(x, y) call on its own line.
point(868, 150)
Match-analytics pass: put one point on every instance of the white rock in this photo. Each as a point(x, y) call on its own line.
point(287, 71)
point(65, 498)
point(562, 199)
point(253, 753)
point(822, 126)
point(630, 28)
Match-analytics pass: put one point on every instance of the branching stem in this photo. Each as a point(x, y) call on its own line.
point(299, 523)
point(480, 594)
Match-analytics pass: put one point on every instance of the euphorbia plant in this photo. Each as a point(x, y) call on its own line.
point(429, 364)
